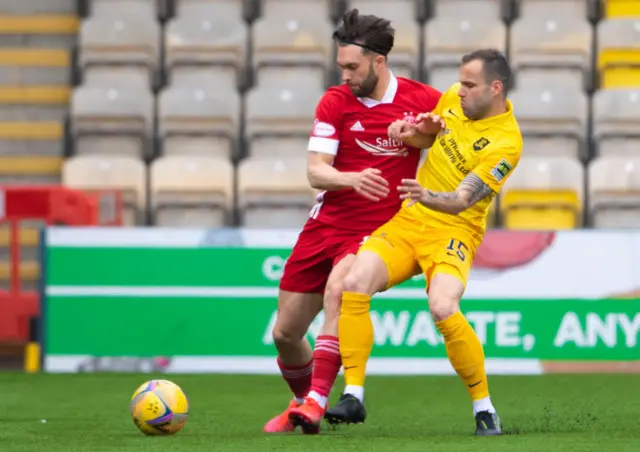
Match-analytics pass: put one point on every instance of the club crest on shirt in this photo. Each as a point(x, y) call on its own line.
point(409, 117)
point(480, 144)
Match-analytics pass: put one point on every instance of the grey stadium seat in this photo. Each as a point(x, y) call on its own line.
point(191, 191)
point(561, 43)
point(479, 9)
point(198, 120)
point(127, 76)
point(206, 33)
point(146, 9)
point(274, 193)
point(614, 183)
point(557, 113)
point(578, 9)
point(615, 122)
point(279, 147)
point(403, 59)
point(119, 118)
point(448, 39)
point(109, 172)
point(283, 106)
point(294, 32)
point(119, 40)
point(221, 77)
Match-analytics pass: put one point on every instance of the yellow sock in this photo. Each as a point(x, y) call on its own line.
point(465, 354)
point(355, 331)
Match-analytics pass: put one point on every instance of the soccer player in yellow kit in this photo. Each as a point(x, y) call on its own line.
point(438, 229)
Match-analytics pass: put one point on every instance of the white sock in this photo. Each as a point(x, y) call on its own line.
point(322, 400)
point(483, 405)
point(299, 400)
point(356, 391)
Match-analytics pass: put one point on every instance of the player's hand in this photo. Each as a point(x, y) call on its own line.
point(401, 130)
point(370, 184)
point(412, 190)
point(429, 123)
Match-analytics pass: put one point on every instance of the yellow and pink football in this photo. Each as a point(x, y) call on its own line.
point(159, 407)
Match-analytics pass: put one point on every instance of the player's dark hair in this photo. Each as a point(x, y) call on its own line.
point(494, 64)
point(372, 33)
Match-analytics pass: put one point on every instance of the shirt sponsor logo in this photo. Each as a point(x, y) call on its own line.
point(322, 129)
point(384, 147)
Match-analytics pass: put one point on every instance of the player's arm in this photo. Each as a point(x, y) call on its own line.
point(422, 133)
point(323, 147)
point(486, 179)
point(368, 183)
point(470, 191)
point(323, 176)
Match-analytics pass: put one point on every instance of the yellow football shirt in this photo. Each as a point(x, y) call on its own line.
point(490, 148)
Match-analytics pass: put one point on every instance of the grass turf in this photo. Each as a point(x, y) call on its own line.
point(88, 412)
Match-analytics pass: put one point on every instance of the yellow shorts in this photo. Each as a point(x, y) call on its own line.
point(407, 246)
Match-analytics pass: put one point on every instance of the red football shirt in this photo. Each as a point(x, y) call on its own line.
point(355, 131)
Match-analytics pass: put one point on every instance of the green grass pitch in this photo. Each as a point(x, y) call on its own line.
point(89, 413)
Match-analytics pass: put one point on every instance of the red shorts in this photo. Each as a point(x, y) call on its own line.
point(319, 247)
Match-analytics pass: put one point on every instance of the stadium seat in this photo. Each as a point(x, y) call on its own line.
point(223, 78)
point(621, 8)
point(563, 43)
point(119, 40)
point(283, 106)
point(107, 172)
point(31, 138)
point(403, 60)
point(293, 32)
point(544, 193)
point(619, 52)
point(274, 193)
point(615, 122)
point(191, 191)
point(555, 114)
point(206, 33)
point(29, 169)
point(112, 120)
point(447, 39)
point(479, 9)
point(147, 9)
point(208, 115)
point(614, 183)
point(578, 9)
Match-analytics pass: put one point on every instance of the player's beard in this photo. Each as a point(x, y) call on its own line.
point(479, 109)
point(368, 85)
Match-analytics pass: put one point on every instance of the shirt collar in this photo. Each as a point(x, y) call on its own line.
point(484, 124)
point(389, 94)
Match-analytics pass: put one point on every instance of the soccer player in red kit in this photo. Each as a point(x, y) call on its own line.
point(357, 167)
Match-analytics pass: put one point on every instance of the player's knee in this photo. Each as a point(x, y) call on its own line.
point(332, 300)
point(367, 276)
point(285, 336)
point(442, 306)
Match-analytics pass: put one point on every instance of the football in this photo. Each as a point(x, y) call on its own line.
point(159, 407)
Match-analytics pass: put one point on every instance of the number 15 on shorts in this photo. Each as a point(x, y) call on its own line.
point(457, 248)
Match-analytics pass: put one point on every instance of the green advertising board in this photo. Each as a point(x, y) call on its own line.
point(113, 300)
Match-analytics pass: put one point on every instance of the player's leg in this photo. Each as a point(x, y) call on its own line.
point(296, 311)
point(326, 353)
point(447, 278)
point(299, 302)
point(383, 261)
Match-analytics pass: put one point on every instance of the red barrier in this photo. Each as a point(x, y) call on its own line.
point(52, 205)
